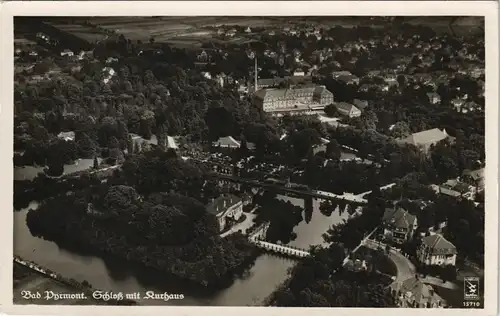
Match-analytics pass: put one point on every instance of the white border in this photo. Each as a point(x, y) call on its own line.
point(488, 9)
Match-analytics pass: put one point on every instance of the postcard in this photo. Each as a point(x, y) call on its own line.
point(170, 155)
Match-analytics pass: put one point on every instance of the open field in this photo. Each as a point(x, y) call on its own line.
point(192, 31)
point(87, 33)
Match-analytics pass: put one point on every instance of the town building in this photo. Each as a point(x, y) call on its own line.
point(226, 142)
point(474, 178)
point(347, 109)
point(227, 209)
point(457, 189)
point(425, 139)
point(399, 225)
point(360, 104)
point(67, 136)
point(296, 98)
point(67, 53)
point(434, 98)
point(413, 293)
point(436, 250)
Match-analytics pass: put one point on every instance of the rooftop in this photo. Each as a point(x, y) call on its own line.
point(398, 218)
point(222, 203)
point(414, 288)
point(427, 137)
point(345, 106)
point(227, 141)
point(439, 244)
point(474, 174)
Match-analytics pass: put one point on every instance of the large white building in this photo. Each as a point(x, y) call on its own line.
point(227, 209)
point(291, 99)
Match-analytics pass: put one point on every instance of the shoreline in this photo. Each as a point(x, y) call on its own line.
point(71, 283)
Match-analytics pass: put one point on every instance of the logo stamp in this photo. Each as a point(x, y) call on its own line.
point(471, 288)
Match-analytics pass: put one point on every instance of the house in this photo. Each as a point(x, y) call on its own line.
point(474, 177)
point(67, 136)
point(425, 139)
point(111, 60)
point(227, 142)
point(412, 292)
point(436, 250)
point(457, 189)
point(399, 225)
point(345, 76)
point(108, 73)
point(434, 98)
point(248, 30)
point(347, 109)
point(203, 56)
point(227, 209)
point(67, 53)
point(231, 33)
point(360, 104)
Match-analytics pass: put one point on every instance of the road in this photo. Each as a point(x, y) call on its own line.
point(404, 266)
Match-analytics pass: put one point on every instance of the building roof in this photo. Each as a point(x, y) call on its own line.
point(291, 92)
point(222, 203)
point(439, 245)
point(66, 135)
point(227, 141)
point(171, 143)
point(398, 218)
point(427, 137)
point(360, 104)
point(346, 106)
point(414, 288)
point(474, 174)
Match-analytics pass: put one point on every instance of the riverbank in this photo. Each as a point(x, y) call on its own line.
point(40, 285)
point(249, 288)
point(192, 261)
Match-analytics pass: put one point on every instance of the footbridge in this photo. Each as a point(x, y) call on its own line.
point(290, 251)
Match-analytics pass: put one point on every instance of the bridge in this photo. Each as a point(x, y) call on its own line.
point(280, 249)
point(306, 193)
point(257, 237)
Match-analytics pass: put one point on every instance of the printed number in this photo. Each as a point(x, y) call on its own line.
point(472, 304)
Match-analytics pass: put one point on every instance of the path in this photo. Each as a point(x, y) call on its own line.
point(404, 266)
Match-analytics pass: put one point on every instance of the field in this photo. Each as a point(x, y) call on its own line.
point(192, 31)
point(87, 33)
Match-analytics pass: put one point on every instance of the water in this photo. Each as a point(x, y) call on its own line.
point(261, 280)
point(30, 172)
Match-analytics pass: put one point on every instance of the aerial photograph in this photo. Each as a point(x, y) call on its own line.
point(333, 161)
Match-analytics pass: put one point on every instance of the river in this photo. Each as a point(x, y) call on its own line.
point(30, 172)
point(250, 289)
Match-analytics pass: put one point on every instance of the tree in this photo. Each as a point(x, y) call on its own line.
point(96, 163)
point(86, 146)
point(331, 110)
point(55, 166)
point(130, 145)
point(400, 130)
point(333, 150)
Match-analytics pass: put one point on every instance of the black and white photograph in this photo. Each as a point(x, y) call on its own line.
point(281, 161)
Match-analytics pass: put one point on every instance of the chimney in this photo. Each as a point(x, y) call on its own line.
point(256, 74)
point(225, 202)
